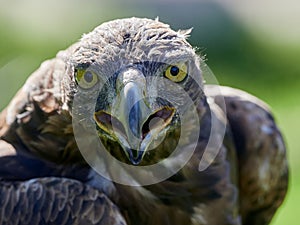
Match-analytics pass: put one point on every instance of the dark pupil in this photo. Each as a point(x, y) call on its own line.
point(88, 77)
point(174, 70)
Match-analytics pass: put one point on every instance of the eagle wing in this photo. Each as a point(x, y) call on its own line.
point(262, 164)
point(35, 187)
point(54, 200)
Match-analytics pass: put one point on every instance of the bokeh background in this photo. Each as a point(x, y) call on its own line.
point(252, 45)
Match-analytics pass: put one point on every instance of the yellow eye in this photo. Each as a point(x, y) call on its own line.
point(86, 79)
point(177, 72)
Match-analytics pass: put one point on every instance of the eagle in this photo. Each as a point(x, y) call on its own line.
point(120, 128)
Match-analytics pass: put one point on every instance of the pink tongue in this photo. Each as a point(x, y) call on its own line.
point(108, 122)
point(160, 118)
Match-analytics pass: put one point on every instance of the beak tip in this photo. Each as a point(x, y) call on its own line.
point(135, 163)
point(135, 160)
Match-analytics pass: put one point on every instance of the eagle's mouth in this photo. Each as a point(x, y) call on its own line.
point(135, 135)
point(134, 118)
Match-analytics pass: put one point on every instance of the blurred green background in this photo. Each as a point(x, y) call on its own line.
point(252, 45)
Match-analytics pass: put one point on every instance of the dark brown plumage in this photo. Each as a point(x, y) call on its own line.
point(46, 180)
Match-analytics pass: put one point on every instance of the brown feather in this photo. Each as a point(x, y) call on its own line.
point(263, 169)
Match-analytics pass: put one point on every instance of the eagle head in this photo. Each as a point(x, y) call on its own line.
point(132, 78)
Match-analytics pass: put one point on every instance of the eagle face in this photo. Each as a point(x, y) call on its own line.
point(128, 79)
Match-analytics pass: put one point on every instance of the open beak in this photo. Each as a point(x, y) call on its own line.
point(132, 121)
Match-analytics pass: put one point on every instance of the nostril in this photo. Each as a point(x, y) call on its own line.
point(109, 123)
point(158, 120)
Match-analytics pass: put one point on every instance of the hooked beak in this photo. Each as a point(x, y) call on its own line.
point(133, 123)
